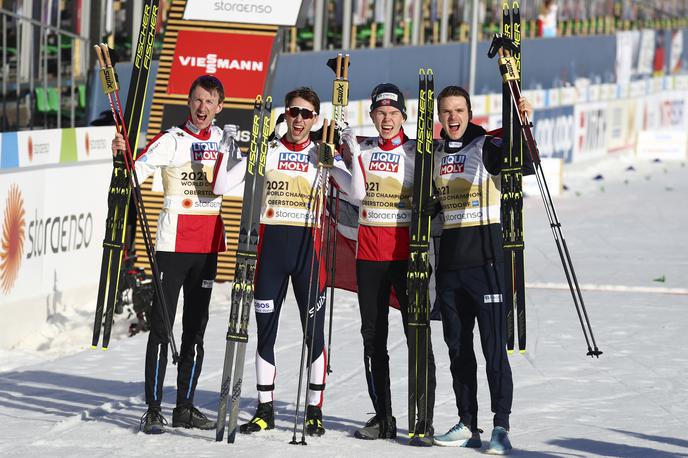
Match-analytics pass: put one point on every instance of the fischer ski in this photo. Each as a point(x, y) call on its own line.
point(111, 89)
point(244, 271)
point(506, 47)
point(419, 262)
point(119, 195)
point(512, 193)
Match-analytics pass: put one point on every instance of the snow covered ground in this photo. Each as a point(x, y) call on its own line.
point(60, 398)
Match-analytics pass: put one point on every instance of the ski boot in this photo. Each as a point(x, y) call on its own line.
point(314, 424)
point(187, 416)
point(422, 435)
point(378, 429)
point(263, 419)
point(152, 422)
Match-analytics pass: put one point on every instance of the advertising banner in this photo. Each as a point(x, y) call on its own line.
point(590, 125)
point(621, 125)
point(676, 50)
point(283, 12)
point(93, 143)
point(39, 147)
point(624, 56)
point(646, 52)
point(665, 111)
point(54, 221)
point(239, 60)
point(662, 144)
point(554, 132)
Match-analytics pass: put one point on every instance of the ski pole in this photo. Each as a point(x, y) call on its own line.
point(340, 100)
point(333, 226)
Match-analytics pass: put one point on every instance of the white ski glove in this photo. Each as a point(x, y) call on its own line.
point(230, 131)
point(229, 146)
point(348, 138)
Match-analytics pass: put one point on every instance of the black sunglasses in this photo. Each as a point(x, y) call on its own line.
point(304, 112)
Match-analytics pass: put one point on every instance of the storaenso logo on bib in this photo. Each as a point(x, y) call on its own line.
point(384, 162)
point(204, 151)
point(297, 162)
point(264, 306)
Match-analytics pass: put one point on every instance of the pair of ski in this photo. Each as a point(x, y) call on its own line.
point(512, 190)
point(111, 88)
point(516, 127)
point(124, 180)
point(419, 264)
point(244, 272)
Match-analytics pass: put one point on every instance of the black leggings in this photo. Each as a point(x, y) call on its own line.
point(375, 280)
point(195, 272)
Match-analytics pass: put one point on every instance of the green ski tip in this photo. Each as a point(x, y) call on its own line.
point(661, 279)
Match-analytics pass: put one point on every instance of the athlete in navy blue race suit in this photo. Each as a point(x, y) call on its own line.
point(470, 271)
point(287, 248)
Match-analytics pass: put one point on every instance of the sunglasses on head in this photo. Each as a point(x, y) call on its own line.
point(304, 112)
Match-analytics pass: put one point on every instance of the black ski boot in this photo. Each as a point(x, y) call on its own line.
point(188, 416)
point(378, 429)
point(422, 435)
point(314, 424)
point(152, 422)
point(263, 419)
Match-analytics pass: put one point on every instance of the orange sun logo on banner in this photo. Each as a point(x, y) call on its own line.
point(12, 241)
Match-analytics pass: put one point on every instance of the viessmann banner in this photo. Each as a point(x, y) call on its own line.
point(239, 60)
point(266, 12)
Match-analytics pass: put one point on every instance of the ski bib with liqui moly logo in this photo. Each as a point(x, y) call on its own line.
point(389, 183)
point(469, 195)
point(290, 172)
point(190, 217)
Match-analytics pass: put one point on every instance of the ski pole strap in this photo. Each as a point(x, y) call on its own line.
point(326, 149)
point(107, 71)
point(340, 86)
point(266, 387)
point(507, 67)
point(316, 386)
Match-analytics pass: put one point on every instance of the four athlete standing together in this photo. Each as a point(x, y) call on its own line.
point(379, 179)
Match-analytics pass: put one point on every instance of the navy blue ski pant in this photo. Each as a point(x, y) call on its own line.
point(465, 295)
point(195, 272)
point(286, 252)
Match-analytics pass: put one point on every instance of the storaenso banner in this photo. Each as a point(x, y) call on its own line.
point(267, 12)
